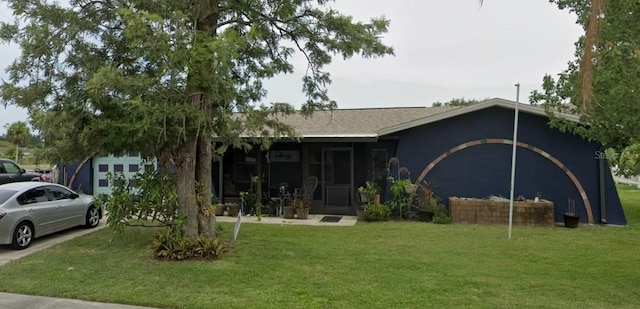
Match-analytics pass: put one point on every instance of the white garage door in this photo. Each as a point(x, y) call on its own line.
point(129, 165)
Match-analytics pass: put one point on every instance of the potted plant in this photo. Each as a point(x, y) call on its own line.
point(302, 208)
point(248, 199)
point(232, 209)
point(571, 218)
point(288, 210)
point(428, 205)
point(402, 197)
point(369, 193)
point(218, 208)
point(399, 187)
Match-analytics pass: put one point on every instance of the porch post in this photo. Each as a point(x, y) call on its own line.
point(259, 182)
point(220, 179)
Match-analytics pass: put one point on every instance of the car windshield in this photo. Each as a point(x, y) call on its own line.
point(5, 195)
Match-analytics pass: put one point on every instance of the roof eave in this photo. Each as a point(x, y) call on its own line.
point(472, 108)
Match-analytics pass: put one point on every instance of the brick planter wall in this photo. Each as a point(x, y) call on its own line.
point(476, 211)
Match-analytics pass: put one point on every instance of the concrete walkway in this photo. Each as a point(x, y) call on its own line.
point(312, 220)
point(17, 301)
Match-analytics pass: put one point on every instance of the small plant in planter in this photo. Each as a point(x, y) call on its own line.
point(248, 199)
point(232, 209)
point(218, 208)
point(571, 218)
point(302, 208)
point(428, 205)
point(288, 210)
point(370, 193)
point(402, 199)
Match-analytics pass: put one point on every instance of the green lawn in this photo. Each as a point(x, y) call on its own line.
point(381, 265)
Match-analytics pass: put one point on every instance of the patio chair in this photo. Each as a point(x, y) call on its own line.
point(309, 187)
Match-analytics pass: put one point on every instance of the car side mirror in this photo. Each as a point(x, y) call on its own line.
point(74, 196)
point(22, 171)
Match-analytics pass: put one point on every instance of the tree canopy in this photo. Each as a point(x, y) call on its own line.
point(162, 77)
point(18, 134)
point(612, 117)
point(458, 102)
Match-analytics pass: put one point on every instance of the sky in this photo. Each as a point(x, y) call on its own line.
point(443, 50)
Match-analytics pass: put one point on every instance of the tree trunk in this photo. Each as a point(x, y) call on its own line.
point(186, 184)
point(206, 219)
point(592, 34)
point(17, 151)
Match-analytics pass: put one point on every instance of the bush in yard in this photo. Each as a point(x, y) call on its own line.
point(441, 215)
point(171, 244)
point(150, 196)
point(377, 212)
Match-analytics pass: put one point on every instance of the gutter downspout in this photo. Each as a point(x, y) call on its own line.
point(603, 199)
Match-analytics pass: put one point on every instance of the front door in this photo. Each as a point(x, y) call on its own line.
point(337, 180)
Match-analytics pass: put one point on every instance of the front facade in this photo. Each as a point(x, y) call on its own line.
point(463, 152)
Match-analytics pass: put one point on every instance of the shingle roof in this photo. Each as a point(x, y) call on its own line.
point(365, 122)
point(376, 122)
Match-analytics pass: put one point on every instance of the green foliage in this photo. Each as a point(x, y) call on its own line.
point(377, 212)
point(430, 203)
point(629, 162)
point(162, 77)
point(611, 119)
point(441, 215)
point(370, 190)
point(10, 153)
point(458, 102)
point(18, 133)
point(149, 195)
point(398, 187)
point(123, 76)
point(401, 199)
point(171, 244)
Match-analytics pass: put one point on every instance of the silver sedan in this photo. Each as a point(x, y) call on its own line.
point(33, 209)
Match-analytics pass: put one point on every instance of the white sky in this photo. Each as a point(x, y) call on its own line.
point(444, 50)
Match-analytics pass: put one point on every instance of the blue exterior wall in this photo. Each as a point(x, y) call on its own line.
point(483, 170)
point(82, 181)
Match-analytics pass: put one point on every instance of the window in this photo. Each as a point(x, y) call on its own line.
point(244, 165)
point(58, 193)
point(118, 168)
point(6, 194)
point(103, 168)
point(36, 195)
point(11, 168)
point(133, 168)
point(102, 183)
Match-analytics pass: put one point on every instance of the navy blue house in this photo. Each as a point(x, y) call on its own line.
point(459, 151)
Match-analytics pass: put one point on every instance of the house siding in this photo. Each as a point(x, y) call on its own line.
point(485, 169)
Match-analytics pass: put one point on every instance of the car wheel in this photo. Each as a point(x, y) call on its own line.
point(22, 236)
point(93, 217)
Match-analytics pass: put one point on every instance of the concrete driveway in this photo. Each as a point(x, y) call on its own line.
point(7, 254)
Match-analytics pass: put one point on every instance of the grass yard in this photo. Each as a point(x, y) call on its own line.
point(381, 265)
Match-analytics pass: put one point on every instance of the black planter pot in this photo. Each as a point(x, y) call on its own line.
point(425, 216)
point(571, 220)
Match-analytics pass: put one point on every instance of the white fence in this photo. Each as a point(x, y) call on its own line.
point(629, 181)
